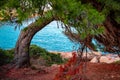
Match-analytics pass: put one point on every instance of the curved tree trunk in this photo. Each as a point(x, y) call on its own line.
point(21, 57)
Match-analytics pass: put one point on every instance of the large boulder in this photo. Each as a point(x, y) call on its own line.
point(109, 58)
point(55, 65)
point(113, 57)
point(96, 53)
point(88, 55)
point(94, 60)
point(104, 59)
point(66, 55)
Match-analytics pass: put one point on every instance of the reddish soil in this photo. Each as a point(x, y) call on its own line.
point(94, 71)
point(99, 71)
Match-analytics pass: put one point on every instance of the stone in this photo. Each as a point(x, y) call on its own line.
point(67, 55)
point(55, 65)
point(94, 60)
point(97, 53)
point(113, 57)
point(104, 59)
point(117, 59)
point(89, 56)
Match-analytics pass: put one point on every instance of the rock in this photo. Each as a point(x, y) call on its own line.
point(97, 53)
point(89, 56)
point(104, 59)
point(84, 55)
point(94, 60)
point(55, 65)
point(66, 55)
point(113, 57)
point(109, 58)
point(117, 59)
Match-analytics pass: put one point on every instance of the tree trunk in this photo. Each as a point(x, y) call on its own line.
point(111, 37)
point(21, 57)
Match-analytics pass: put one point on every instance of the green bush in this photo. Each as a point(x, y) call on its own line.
point(53, 58)
point(117, 62)
point(6, 56)
point(35, 50)
point(50, 58)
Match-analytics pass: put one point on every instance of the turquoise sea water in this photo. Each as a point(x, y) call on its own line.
point(50, 37)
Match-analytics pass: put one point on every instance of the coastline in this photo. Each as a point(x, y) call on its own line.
point(63, 54)
point(93, 57)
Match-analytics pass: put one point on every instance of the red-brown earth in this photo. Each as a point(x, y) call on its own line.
point(94, 71)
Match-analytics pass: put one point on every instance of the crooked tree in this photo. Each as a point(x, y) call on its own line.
point(86, 16)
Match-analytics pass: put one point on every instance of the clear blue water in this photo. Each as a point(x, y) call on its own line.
point(51, 37)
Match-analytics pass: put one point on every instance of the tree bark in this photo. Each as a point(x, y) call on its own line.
point(111, 38)
point(21, 57)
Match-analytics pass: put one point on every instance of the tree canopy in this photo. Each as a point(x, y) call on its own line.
point(83, 17)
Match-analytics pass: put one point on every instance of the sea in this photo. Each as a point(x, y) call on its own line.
point(51, 37)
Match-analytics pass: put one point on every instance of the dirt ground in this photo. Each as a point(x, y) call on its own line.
point(99, 71)
point(94, 71)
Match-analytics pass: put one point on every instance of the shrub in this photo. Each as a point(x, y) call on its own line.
point(36, 51)
point(50, 58)
point(117, 62)
point(6, 56)
point(71, 70)
point(54, 59)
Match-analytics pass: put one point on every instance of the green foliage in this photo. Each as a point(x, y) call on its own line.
point(25, 29)
point(117, 62)
point(12, 4)
point(21, 15)
point(70, 8)
point(35, 50)
point(6, 56)
point(81, 16)
point(5, 14)
point(117, 17)
point(50, 58)
point(89, 18)
point(38, 4)
point(54, 59)
point(111, 5)
point(95, 17)
point(2, 3)
point(48, 15)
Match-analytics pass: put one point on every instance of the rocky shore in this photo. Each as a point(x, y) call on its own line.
point(93, 57)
